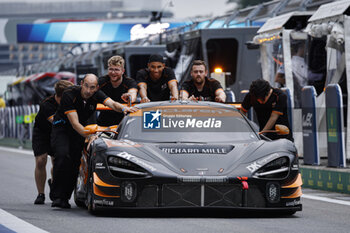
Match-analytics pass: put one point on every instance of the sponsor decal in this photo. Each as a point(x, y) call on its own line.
point(99, 166)
point(307, 120)
point(104, 202)
point(151, 119)
point(171, 150)
point(157, 120)
point(192, 123)
point(293, 203)
point(26, 119)
point(136, 160)
point(261, 162)
point(129, 191)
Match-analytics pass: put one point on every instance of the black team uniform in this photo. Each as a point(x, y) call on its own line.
point(108, 118)
point(68, 144)
point(277, 103)
point(42, 127)
point(157, 90)
point(209, 89)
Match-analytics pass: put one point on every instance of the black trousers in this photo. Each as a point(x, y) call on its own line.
point(67, 145)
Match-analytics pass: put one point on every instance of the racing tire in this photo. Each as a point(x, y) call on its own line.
point(78, 202)
point(91, 206)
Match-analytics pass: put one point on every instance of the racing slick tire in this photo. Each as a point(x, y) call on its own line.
point(91, 206)
point(78, 202)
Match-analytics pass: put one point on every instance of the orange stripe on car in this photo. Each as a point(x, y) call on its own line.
point(243, 109)
point(296, 183)
point(296, 194)
point(99, 182)
point(98, 192)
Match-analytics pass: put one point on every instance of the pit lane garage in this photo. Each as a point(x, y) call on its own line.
point(187, 155)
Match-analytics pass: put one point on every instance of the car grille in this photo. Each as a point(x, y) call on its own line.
point(199, 195)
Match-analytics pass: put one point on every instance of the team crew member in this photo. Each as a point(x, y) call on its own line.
point(78, 103)
point(200, 87)
point(270, 106)
point(118, 87)
point(157, 82)
point(41, 137)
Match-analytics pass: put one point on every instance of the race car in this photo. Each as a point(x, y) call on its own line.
point(187, 155)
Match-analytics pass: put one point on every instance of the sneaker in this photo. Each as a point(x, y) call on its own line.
point(65, 204)
point(56, 203)
point(40, 199)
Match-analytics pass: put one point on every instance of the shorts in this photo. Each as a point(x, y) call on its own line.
point(41, 143)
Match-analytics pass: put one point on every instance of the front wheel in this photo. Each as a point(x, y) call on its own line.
point(90, 197)
point(77, 201)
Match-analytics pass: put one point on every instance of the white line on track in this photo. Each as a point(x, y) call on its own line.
point(14, 150)
point(17, 225)
point(325, 199)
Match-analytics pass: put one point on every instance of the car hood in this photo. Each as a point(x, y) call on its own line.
point(193, 159)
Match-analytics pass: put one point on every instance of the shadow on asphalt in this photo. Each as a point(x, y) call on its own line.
point(193, 213)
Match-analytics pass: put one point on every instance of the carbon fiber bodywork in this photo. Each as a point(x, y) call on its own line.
point(240, 172)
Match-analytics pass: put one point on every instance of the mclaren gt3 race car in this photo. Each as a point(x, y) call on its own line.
point(188, 155)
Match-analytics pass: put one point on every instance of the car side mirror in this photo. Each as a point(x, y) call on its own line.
point(282, 129)
point(92, 129)
point(279, 129)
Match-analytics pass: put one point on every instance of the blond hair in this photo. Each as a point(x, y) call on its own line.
point(116, 61)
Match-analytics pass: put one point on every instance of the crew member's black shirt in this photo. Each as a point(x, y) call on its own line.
point(208, 93)
point(157, 90)
point(72, 101)
point(47, 110)
point(110, 117)
point(277, 103)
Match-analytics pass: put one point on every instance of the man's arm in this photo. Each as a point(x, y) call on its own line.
point(220, 96)
point(119, 107)
point(271, 122)
point(143, 92)
point(173, 89)
point(74, 121)
point(131, 94)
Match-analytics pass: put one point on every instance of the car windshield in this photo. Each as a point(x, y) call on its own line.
point(188, 125)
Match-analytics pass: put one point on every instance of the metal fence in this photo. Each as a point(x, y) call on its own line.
point(17, 122)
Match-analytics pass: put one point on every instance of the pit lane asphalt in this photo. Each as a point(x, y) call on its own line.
point(17, 193)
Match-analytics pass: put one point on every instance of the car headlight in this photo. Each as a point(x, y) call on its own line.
point(123, 168)
point(277, 168)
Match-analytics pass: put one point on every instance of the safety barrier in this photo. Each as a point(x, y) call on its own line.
point(17, 122)
point(335, 126)
point(310, 137)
